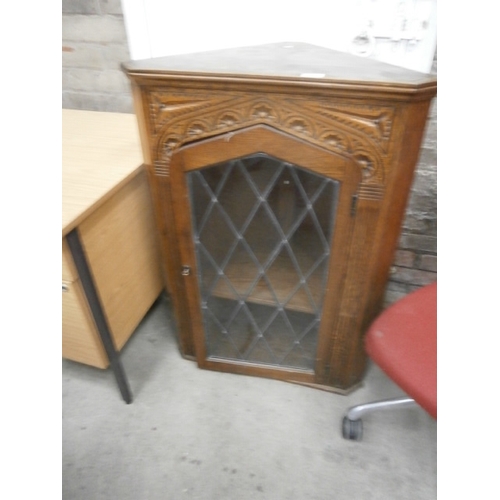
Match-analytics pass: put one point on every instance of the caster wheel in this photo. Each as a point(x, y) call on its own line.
point(352, 429)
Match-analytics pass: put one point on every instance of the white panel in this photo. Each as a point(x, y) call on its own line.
point(177, 28)
point(400, 32)
point(136, 26)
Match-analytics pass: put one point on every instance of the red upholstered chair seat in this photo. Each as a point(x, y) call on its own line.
point(402, 342)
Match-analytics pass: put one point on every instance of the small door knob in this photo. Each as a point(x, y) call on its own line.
point(185, 270)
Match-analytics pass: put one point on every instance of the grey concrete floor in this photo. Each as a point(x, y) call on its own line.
point(197, 434)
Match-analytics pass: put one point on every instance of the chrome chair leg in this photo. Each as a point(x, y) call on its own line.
point(352, 425)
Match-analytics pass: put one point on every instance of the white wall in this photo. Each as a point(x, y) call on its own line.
point(158, 28)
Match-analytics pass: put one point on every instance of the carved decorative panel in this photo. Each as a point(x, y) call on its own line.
point(357, 131)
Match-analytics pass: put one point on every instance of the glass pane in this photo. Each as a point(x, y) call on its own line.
point(262, 233)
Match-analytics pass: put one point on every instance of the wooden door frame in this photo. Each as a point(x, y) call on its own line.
point(286, 147)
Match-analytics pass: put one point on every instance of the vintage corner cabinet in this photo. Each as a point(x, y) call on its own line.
point(280, 175)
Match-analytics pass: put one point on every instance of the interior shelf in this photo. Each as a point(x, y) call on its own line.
point(282, 276)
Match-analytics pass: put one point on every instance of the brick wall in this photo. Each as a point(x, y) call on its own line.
point(95, 43)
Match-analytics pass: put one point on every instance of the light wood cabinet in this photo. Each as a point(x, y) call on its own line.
point(280, 175)
point(106, 198)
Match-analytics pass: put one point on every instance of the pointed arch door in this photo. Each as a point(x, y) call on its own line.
point(263, 221)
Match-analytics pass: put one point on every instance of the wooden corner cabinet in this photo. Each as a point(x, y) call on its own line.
point(280, 175)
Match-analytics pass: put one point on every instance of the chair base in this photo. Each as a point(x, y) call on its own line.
point(352, 425)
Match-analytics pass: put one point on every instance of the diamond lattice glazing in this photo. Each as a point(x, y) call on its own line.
point(262, 233)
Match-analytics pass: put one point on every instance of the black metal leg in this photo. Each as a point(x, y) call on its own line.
point(82, 267)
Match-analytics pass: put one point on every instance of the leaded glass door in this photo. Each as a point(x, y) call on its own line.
point(269, 226)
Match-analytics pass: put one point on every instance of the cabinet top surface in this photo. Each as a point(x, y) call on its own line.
point(100, 152)
point(288, 60)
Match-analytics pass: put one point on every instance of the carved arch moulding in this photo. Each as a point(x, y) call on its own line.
point(357, 131)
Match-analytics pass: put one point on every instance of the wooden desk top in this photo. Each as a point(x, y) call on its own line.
point(100, 153)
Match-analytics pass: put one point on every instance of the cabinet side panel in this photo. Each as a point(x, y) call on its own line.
point(406, 149)
point(122, 249)
point(141, 114)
